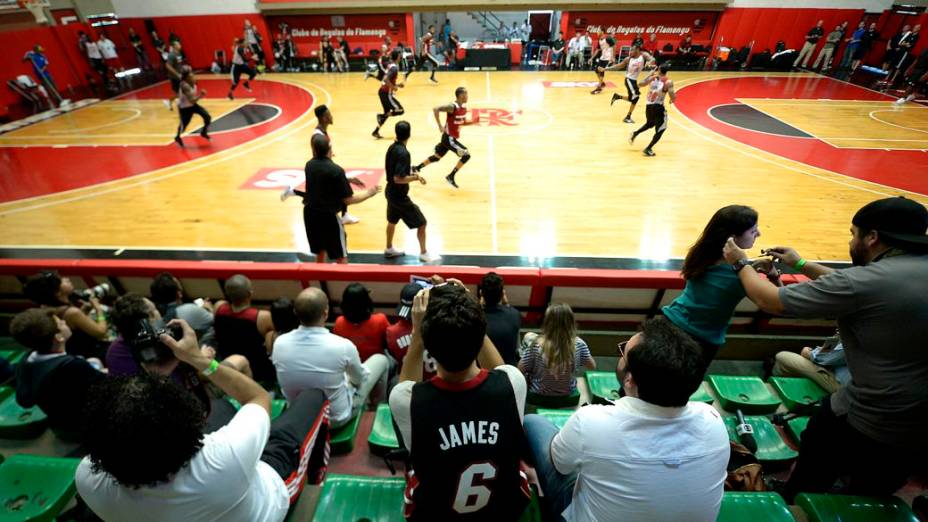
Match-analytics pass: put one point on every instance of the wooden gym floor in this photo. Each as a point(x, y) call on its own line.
point(552, 173)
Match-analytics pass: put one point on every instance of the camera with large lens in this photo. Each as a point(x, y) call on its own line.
point(100, 291)
point(147, 347)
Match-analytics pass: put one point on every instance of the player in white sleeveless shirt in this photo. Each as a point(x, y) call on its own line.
point(659, 86)
point(636, 62)
point(187, 106)
point(606, 55)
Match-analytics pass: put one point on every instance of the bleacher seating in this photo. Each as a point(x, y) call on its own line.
point(277, 406)
point(342, 439)
point(756, 507)
point(546, 401)
point(748, 394)
point(847, 508)
point(34, 488)
point(17, 422)
point(383, 435)
point(770, 445)
point(795, 427)
point(797, 392)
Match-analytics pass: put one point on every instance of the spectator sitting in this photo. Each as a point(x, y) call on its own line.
point(712, 291)
point(150, 460)
point(399, 334)
point(365, 329)
point(468, 418)
point(312, 357)
point(825, 365)
point(881, 310)
point(168, 295)
point(557, 51)
point(651, 47)
point(549, 361)
point(574, 51)
point(128, 313)
point(243, 329)
point(284, 319)
point(685, 50)
point(503, 321)
point(88, 334)
point(652, 455)
point(49, 378)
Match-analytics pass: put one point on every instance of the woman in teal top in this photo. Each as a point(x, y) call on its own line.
point(713, 289)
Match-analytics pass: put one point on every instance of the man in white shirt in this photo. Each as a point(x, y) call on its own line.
point(574, 52)
point(108, 50)
point(650, 456)
point(586, 44)
point(311, 357)
point(150, 461)
point(466, 422)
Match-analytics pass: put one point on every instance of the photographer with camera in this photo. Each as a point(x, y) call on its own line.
point(49, 378)
point(81, 311)
point(150, 460)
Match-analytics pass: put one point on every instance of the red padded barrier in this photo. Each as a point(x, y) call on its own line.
point(737, 27)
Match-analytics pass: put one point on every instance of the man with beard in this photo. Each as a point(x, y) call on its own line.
point(881, 307)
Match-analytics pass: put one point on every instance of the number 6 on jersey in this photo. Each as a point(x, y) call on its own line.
point(471, 495)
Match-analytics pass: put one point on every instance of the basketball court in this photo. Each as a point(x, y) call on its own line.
point(552, 173)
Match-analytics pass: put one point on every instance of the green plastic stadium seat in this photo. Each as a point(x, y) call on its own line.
point(14, 356)
point(346, 498)
point(35, 488)
point(604, 386)
point(701, 394)
point(557, 417)
point(797, 392)
point(8, 343)
point(383, 437)
point(846, 508)
point(770, 446)
point(757, 507)
point(749, 394)
point(547, 401)
point(796, 426)
point(277, 406)
point(17, 422)
point(342, 439)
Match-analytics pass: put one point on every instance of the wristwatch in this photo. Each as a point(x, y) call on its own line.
point(739, 264)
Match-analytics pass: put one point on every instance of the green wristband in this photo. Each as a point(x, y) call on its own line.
point(213, 366)
point(799, 264)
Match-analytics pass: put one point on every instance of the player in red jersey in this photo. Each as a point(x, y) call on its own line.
point(450, 132)
point(391, 106)
point(425, 54)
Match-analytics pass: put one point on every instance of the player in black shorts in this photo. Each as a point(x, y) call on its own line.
point(399, 175)
point(389, 85)
point(450, 133)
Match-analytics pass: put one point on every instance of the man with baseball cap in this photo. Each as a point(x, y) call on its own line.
point(399, 334)
point(873, 429)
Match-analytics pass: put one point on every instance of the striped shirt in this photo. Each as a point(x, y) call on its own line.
point(552, 382)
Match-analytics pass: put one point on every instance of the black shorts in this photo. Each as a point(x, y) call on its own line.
point(175, 84)
point(657, 116)
point(403, 208)
point(602, 63)
point(238, 70)
point(915, 79)
point(632, 87)
point(389, 103)
point(325, 233)
point(450, 143)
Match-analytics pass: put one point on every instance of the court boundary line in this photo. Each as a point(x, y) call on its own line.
point(138, 112)
point(692, 81)
point(185, 167)
point(896, 124)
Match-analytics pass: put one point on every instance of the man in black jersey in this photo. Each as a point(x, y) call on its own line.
point(463, 428)
point(399, 206)
point(391, 106)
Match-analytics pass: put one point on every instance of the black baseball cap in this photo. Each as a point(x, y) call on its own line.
point(404, 310)
point(899, 219)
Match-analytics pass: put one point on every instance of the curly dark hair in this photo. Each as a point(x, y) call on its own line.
point(142, 429)
point(453, 328)
point(128, 310)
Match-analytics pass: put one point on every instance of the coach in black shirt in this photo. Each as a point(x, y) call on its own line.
point(399, 175)
point(327, 192)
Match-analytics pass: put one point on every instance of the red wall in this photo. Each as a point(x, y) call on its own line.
point(201, 36)
point(669, 26)
point(307, 30)
point(66, 63)
point(766, 26)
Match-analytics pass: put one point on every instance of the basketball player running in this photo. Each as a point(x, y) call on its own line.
point(606, 54)
point(636, 62)
point(187, 98)
point(240, 66)
point(659, 85)
point(389, 85)
point(425, 55)
point(173, 64)
point(451, 132)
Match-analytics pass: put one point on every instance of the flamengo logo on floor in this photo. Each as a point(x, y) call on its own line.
point(276, 178)
point(571, 85)
point(493, 117)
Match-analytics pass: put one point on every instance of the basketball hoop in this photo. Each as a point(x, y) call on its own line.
point(37, 8)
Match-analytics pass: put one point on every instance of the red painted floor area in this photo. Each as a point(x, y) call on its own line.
point(902, 169)
point(35, 171)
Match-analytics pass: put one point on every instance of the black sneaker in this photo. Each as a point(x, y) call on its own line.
point(450, 179)
point(204, 135)
point(376, 134)
point(231, 97)
point(179, 141)
point(649, 153)
point(615, 97)
point(596, 90)
point(433, 80)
